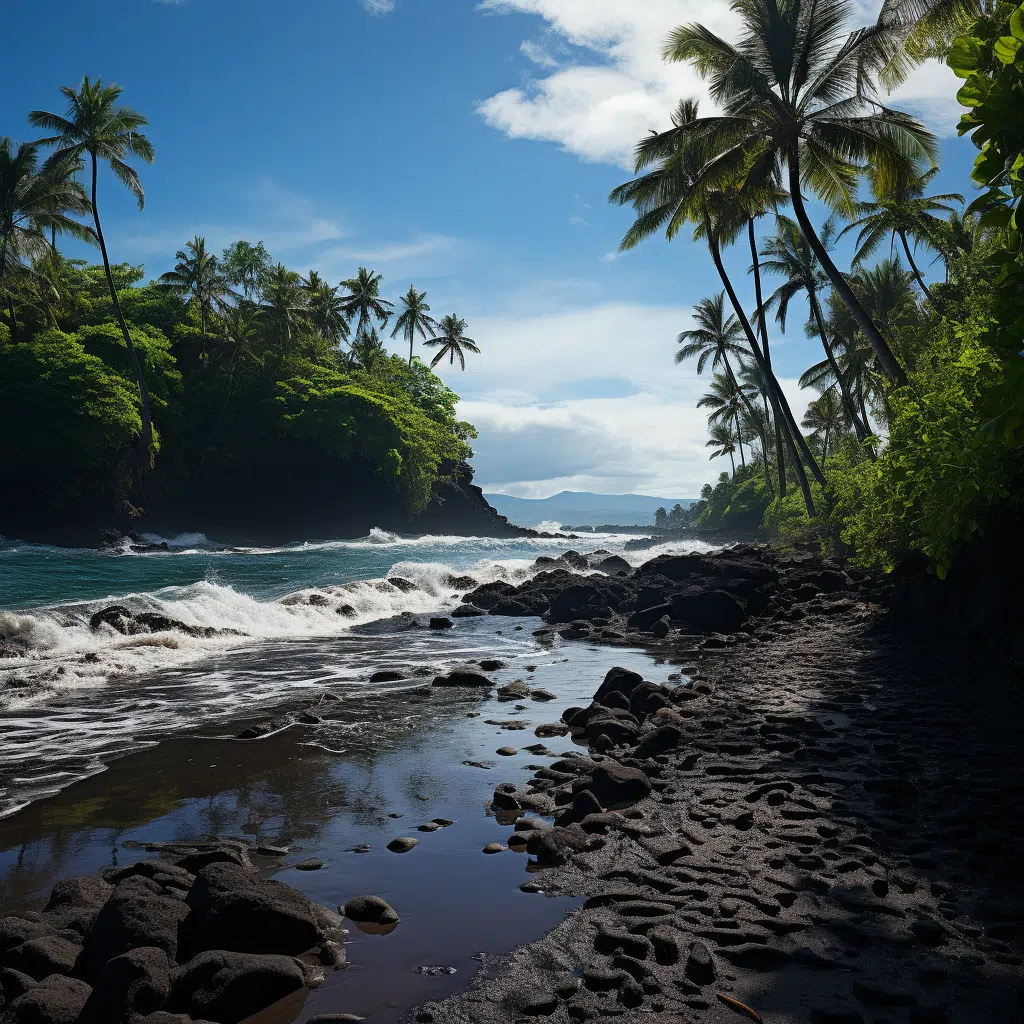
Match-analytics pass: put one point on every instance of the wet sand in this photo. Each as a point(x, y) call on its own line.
point(323, 790)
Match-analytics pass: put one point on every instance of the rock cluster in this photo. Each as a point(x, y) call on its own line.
point(198, 938)
point(710, 596)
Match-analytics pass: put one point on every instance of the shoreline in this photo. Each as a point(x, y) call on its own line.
point(803, 720)
point(831, 837)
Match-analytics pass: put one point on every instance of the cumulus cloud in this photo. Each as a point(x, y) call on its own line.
point(617, 87)
point(378, 6)
point(621, 417)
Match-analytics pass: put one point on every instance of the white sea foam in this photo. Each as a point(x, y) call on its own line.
point(60, 650)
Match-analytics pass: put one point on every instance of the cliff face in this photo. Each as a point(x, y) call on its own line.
point(295, 503)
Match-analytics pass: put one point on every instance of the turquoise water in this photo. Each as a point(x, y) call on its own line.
point(291, 622)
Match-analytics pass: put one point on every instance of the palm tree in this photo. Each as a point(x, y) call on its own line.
point(755, 266)
point(452, 341)
point(283, 305)
point(886, 292)
point(246, 265)
point(725, 400)
point(364, 299)
point(671, 196)
point(854, 356)
point(757, 421)
point(197, 274)
point(796, 91)
point(325, 309)
point(902, 210)
point(789, 255)
point(714, 337)
point(367, 349)
point(35, 200)
point(825, 417)
point(94, 126)
point(415, 316)
point(724, 442)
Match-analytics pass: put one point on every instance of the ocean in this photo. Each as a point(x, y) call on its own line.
point(296, 624)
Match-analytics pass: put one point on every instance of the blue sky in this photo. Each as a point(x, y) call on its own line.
point(465, 147)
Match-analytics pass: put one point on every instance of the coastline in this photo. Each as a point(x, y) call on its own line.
point(818, 713)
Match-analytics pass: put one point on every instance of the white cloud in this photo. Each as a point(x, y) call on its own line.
point(538, 54)
point(298, 232)
point(378, 6)
point(622, 417)
point(396, 252)
point(618, 87)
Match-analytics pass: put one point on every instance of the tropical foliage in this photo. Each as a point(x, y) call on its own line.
point(227, 374)
point(916, 427)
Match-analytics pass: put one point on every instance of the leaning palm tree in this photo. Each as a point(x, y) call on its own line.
point(789, 256)
point(452, 341)
point(671, 196)
point(33, 202)
point(96, 128)
point(364, 301)
point(724, 442)
point(725, 401)
point(415, 316)
point(795, 90)
point(903, 211)
point(197, 274)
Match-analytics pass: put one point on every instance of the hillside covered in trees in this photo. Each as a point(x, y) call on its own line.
point(231, 395)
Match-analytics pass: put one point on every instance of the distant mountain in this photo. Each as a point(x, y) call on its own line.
point(582, 508)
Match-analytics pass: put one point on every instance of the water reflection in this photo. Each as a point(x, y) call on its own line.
point(399, 766)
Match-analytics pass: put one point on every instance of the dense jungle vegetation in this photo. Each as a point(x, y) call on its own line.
point(915, 433)
point(115, 392)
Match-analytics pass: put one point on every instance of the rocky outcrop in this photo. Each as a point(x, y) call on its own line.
point(708, 596)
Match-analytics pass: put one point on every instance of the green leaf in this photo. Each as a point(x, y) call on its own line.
point(964, 56)
point(973, 92)
point(1017, 23)
point(1005, 48)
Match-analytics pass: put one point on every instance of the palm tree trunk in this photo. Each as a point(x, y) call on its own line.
point(863, 408)
point(844, 390)
point(780, 455)
point(733, 461)
point(12, 320)
point(756, 264)
point(742, 395)
point(412, 337)
point(887, 360)
point(146, 437)
point(776, 396)
point(739, 440)
point(913, 267)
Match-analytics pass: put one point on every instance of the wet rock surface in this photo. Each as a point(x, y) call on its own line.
point(820, 825)
point(195, 935)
